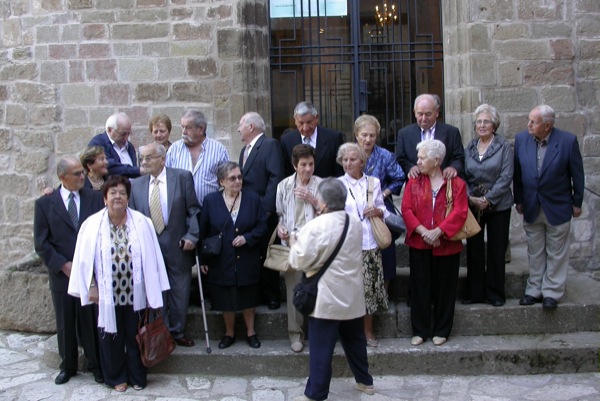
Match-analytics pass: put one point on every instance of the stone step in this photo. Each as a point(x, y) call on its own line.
point(461, 355)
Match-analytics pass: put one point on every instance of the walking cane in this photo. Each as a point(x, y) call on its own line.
point(208, 350)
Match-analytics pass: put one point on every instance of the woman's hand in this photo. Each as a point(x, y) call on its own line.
point(282, 232)
point(479, 203)
point(431, 237)
point(93, 294)
point(204, 269)
point(238, 241)
point(306, 195)
point(372, 212)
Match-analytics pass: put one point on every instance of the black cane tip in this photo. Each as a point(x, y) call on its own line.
point(208, 350)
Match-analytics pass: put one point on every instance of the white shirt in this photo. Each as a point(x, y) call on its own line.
point(253, 142)
point(122, 152)
point(162, 187)
point(312, 140)
point(64, 193)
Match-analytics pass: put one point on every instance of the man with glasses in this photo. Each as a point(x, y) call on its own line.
point(167, 196)
point(548, 186)
point(120, 153)
point(197, 153)
point(56, 223)
point(427, 110)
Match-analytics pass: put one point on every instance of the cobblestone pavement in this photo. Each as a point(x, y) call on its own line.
point(24, 376)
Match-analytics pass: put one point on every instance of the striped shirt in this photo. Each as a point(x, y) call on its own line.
point(205, 171)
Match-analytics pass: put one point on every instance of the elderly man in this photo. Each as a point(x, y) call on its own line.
point(197, 153)
point(167, 196)
point(427, 110)
point(548, 186)
point(325, 141)
point(262, 169)
point(56, 223)
point(119, 152)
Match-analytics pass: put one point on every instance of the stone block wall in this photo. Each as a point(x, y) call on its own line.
point(66, 65)
point(518, 54)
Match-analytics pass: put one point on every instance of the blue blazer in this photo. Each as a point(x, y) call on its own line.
point(115, 167)
point(558, 186)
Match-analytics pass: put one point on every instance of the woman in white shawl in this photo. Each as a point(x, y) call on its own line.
point(118, 266)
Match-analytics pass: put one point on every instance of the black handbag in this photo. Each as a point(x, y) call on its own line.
point(395, 222)
point(211, 246)
point(305, 292)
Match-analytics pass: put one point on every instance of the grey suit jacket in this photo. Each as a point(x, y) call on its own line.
point(183, 211)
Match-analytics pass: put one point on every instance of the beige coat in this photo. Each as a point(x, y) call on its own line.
point(341, 294)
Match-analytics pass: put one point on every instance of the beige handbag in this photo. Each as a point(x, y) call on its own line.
point(471, 227)
point(381, 232)
point(277, 255)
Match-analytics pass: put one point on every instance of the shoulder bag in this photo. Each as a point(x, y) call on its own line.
point(382, 234)
point(154, 339)
point(471, 227)
point(395, 222)
point(305, 292)
point(277, 255)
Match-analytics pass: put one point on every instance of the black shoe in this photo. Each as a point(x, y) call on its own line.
point(466, 302)
point(528, 300)
point(98, 377)
point(183, 341)
point(274, 305)
point(497, 302)
point(226, 342)
point(62, 377)
point(253, 341)
point(549, 303)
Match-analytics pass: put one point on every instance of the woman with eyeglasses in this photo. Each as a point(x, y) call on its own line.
point(233, 275)
point(489, 172)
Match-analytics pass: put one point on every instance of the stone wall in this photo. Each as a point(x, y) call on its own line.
point(66, 65)
point(518, 54)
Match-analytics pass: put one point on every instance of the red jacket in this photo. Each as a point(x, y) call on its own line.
point(417, 209)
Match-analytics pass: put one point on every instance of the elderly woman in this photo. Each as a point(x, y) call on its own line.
point(296, 204)
point(160, 128)
point(118, 265)
point(382, 164)
point(433, 257)
point(489, 172)
point(353, 159)
point(234, 274)
point(95, 165)
point(340, 303)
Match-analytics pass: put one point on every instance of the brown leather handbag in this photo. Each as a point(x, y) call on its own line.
point(154, 339)
point(471, 227)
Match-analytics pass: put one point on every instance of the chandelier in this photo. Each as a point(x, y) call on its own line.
point(386, 15)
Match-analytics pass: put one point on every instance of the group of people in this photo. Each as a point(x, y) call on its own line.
point(122, 230)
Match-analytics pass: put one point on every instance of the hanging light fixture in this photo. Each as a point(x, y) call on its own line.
point(386, 15)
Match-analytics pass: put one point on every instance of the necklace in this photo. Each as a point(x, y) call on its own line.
point(361, 217)
point(120, 222)
point(483, 147)
point(232, 204)
point(96, 183)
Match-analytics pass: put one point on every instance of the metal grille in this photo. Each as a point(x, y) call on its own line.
point(349, 65)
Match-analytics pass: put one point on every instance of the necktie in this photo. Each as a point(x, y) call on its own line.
point(246, 153)
point(427, 134)
point(155, 209)
point(72, 209)
point(307, 141)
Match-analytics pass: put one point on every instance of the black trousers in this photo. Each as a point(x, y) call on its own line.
point(119, 352)
point(75, 324)
point(485, 273)
point(433, 281)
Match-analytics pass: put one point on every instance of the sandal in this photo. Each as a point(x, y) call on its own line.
point(121, 387)
point(137, 388)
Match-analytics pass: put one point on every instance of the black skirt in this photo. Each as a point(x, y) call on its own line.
point(232, 299)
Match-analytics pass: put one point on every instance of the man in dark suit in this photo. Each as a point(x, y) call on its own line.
point(548, 187)
point(167, 196)
point(427, 110)
point(56, 223)
point(325, 141)
point(119, 152)
point(262, 170)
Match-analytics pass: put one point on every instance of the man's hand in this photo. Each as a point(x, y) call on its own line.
point(519, 208)
point(413, 172)
point(576, 211)
point(66, 269)
point(187, 245)
point(449, 173)
point(204, 269)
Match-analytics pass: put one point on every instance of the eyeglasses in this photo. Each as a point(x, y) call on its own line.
point(123, 133)
point(234, 178)
point(148, 158)
point(483, 122)
point(78, 173)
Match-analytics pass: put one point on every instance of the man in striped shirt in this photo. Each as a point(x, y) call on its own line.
point(198, 154)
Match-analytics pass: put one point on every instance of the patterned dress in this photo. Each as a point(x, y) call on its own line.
point(122, 267)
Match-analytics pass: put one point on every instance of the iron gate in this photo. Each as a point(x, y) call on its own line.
point(353, 57)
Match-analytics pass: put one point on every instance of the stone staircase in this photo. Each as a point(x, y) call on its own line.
point(512, 339)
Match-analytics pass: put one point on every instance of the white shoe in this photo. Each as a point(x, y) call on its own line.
point(297, 346)
point(365, 388)
point(439, 340)
point(416, 340)
point(303, 398)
